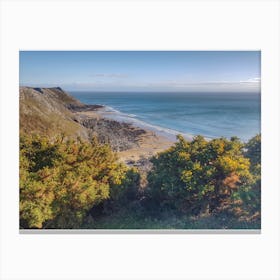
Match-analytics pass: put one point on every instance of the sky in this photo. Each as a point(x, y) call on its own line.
point(136, 71)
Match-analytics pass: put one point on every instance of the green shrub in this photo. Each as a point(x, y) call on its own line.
point(61, 180)
point(198, 176)
point(252, 195)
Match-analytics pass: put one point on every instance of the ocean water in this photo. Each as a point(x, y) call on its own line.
point(209, 114)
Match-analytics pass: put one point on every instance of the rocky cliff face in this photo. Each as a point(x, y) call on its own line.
point(51, 111)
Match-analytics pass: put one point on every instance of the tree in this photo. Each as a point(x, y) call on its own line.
point(61, 180)
point(253, 150)
point(252, 193)
point(198, 175)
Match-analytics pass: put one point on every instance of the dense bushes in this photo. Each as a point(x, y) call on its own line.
point(200, 176)
point(75, 184)
point(252, 198)
point(253, 151)
point(61, 180)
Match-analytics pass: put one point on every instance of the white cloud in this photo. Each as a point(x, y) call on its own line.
point(252, 84)
point(252, 80)
point(249, 85)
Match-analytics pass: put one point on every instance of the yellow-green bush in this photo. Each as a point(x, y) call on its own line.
point(61, 180)
point(199, 175)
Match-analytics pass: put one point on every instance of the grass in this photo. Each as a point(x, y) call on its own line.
point(127, 219)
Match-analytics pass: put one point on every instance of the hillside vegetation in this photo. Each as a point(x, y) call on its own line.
point(61, 181)
point(76, 184)
point(46, 111)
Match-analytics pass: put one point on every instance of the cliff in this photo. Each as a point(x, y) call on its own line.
point(48, 111)
point(52, 111)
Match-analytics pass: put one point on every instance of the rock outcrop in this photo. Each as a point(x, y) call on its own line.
point(52, 111)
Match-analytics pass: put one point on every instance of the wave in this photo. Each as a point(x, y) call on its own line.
point(111, 113)
point(109, 109)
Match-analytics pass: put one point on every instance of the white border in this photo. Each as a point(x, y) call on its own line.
point(116, 25)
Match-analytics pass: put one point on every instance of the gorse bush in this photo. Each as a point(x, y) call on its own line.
point(198, 176)
point(61, 180)
point(76, 184)
point(253, 151)
point(252, 197)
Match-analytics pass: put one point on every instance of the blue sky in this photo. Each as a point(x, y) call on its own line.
point(195, 71)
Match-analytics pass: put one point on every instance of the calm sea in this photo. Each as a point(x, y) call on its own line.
point(209, 114)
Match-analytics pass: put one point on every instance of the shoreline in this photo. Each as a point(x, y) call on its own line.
point(207, 113)
point(143, 143)
point(52, 111)
point(171, 134)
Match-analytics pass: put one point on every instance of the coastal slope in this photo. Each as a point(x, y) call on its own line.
point(52, 111)
point(47, 111)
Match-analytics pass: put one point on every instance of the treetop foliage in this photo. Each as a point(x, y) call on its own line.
point(64, 182)
point(199, 174)
point(61, 180)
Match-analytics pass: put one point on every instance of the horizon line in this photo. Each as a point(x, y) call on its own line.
point(139, 91)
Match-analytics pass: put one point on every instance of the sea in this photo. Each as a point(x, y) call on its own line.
point(209, 114)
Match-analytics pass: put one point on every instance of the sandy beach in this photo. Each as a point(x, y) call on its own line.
point(149, 145)
point(146, 143)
